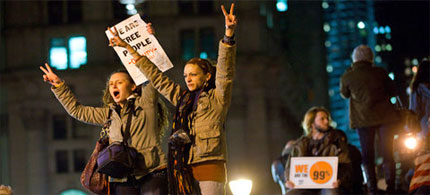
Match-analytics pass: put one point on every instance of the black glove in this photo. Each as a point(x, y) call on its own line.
point(180, 137)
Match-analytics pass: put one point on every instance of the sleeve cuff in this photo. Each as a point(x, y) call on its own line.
point(228, 40)
point(59, 84)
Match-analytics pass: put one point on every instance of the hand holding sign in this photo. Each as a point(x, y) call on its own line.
point(132, 39)
point(116, 40)
point(313, 172)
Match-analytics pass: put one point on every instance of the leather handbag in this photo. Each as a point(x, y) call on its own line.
point(118, 159)
point(91, 179)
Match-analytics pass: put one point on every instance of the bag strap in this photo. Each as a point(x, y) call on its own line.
point(106, 125)
point(126, 134)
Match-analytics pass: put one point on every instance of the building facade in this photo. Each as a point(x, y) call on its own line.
point(280, 73)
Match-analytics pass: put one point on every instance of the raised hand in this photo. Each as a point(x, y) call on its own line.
point(49, 75)
point(150, 29)
point(289, 184)
point(230, 20)
point(116, 40)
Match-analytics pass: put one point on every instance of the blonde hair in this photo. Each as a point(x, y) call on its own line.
point(107, 98)
point(162, 111)
point(309, 118)
point(5, 190)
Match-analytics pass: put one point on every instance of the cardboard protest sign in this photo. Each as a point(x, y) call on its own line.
point(313, 172)
point(133, 31)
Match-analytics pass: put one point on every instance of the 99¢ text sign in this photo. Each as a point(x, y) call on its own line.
point(133, 31)
point(313, 172)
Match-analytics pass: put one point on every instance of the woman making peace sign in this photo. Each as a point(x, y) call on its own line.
point(123, 98)
point(197, 148)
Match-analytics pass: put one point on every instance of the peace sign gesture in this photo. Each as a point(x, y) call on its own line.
point(49, 75)
point(116, 40)
point(230, 20)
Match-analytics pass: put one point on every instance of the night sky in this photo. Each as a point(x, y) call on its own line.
point(409, 21)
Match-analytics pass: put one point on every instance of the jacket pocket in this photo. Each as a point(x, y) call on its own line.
point(148, 157)
point(208, 143)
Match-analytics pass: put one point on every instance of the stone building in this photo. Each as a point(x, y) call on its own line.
point(280, 74)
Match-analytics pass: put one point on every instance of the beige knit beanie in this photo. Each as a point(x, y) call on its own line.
point(362, 53)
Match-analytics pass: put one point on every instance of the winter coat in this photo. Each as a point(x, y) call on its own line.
point(419, 102)
point(144, 131)
point(209, 119)
point(369, 89)
point(332, 144)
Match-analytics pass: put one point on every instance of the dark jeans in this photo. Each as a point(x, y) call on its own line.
point(152, 184)
point(367, 140)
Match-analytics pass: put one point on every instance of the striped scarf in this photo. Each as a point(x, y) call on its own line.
point(181, 180)
point(422, 173)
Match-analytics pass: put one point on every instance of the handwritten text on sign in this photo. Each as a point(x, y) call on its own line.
point(313, 172)
point(133, 31)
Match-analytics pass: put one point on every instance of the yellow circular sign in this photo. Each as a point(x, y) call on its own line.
point(321, 172)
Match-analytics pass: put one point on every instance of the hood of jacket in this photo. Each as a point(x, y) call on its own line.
point(423, 90)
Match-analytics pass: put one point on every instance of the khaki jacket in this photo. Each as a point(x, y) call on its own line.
point(369, 89)
point(143, 129)
point(210, 116)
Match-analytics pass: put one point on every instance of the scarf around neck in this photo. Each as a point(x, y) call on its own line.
point(181, 180)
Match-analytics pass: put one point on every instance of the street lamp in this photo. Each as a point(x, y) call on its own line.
point(241, 186)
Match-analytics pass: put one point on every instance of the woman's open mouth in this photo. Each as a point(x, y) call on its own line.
point(116, 94)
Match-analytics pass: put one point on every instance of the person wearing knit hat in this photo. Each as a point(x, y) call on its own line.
point(369, 90)
point(362, 53)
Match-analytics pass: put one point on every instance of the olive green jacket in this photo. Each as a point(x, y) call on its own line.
point(209, 118)
point(369, 90)
point(144, 131)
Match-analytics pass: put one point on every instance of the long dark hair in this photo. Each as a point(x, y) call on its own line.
point(422, 76)
point(207, 67)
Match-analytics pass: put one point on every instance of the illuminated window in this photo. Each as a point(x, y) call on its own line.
point(375, 30)
point(72, 192)
point(361, 25)
point(393, 100)
point(387, 29)
point(78, 51)
point(71, 53)
point(329, 68)
point(381, 30)
point(203, 55)
point(391, 75)
point(326, 27)
point(389, 47)
point(378, 48)
point(325, 5)
point(281, 5)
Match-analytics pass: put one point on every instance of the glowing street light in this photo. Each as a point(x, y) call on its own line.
point(411, 143)
point(241, 186)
